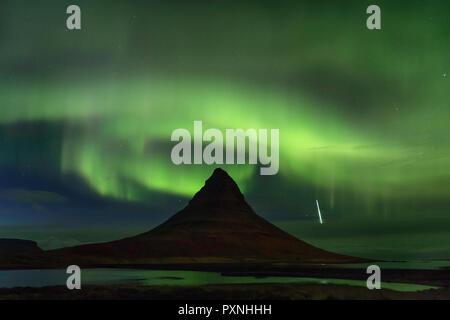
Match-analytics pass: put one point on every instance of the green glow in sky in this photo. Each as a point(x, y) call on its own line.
point(121, 132)
point(360, 111)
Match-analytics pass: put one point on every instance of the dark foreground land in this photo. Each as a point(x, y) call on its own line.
point(261, 291)
point(220, 292)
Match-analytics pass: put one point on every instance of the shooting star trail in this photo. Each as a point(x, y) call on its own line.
point(318, 211)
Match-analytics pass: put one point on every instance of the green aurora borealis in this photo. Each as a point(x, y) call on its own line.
point(363, 115)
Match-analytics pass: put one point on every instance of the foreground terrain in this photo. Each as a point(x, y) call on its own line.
point(219, 292)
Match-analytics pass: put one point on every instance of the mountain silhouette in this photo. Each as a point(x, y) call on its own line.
point(18, 246)
point(216, 226)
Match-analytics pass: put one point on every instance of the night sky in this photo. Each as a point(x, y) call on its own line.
point(86, 117)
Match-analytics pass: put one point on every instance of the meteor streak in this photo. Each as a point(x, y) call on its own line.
point(318, 211)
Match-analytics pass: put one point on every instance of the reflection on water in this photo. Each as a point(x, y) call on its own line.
point(40, 278)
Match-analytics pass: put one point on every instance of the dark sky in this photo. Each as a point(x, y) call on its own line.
point(86, 117)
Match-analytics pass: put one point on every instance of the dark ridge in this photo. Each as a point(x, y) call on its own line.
point(18, 246)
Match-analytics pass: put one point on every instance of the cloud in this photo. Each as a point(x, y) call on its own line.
point(35, 198)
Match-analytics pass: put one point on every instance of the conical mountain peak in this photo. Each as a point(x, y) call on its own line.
point(219, 189)
point(219, 173)
point(217, 225)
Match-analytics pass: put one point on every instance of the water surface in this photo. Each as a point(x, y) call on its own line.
point(41, 278)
